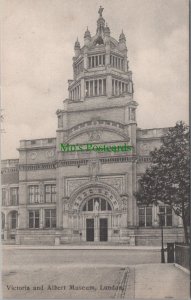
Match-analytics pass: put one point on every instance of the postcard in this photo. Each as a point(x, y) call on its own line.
point(95, 149)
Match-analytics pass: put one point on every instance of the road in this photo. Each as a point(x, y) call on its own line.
point(77, 274)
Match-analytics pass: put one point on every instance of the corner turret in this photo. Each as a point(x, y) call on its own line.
point(77, 48)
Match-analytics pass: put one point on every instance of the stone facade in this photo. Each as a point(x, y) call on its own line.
point(50, 196)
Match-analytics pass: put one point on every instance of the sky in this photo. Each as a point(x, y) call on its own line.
point(37, 48)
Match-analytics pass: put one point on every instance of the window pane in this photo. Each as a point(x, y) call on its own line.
point(148, 220)
point(36, 222)
point(162, 220)
point(103, 204)
point(53, 213)
point(108, 206)
point(90, 205)
point(47, 222)
point(47, 213)
point(48, 188)
point(142, 211)
point(48, 198)
point(14, 220)
point(168, 210)
point(169, 220)
point(53, 222)
point(141, 221)
point(30, 222)
point(161, 209)
point(149, 210)
point(54, 198)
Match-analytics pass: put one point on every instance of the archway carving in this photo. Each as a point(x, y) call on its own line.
point(86, 192)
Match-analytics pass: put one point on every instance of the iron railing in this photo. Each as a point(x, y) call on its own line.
point(182, 255)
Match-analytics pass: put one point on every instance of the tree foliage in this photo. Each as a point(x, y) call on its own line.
point(167, 178)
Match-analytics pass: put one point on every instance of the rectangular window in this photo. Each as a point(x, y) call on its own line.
point(120, 87)
point(87, 88)
point(34, 219)
point(104, 86)
point(96, 61)
point(123, 87)
point(112, 87)
point(14, 196)
point(34, 195)
point(50, 193)
point(95, 87)
point(165, 215)
point(100, 60)
point(145, 216)
point(103, 60)
point(91, 88)
point(122, 65)
point(50, 218)
point(100, 87)
point(89, 62)
point(14, 220)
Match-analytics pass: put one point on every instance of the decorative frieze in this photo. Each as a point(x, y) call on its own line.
point(117, 182)
point(73, 184)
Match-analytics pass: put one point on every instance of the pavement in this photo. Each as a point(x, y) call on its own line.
point(81, 247)
point(158, 281)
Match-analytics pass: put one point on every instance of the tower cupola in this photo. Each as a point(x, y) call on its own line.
point(122, 42)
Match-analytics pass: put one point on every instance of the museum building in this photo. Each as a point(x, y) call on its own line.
point(50, 196)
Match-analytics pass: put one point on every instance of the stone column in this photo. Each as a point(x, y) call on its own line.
point(108, 86)
point(23, 200)
point(41, 218)
point(96, 228)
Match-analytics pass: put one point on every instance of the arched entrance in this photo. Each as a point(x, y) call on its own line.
point(97, 212)
point(93, 213)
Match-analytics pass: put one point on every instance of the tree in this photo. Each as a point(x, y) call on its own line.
point(167, 178)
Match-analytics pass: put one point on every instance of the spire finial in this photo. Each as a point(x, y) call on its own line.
point(100, 11)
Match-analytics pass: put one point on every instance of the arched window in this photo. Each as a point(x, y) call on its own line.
point(98, 204)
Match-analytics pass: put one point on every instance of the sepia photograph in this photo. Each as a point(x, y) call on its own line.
point(95, 163)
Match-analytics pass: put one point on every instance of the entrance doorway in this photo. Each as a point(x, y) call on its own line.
point(103, 230)
point(90, 230)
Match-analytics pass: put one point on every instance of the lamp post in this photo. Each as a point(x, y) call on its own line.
point(162, 242)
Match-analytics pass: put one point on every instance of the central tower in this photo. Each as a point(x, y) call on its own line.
point(100, 67)
point(97, 188)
